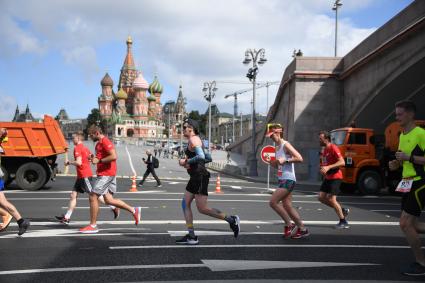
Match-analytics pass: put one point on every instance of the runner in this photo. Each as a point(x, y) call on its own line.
point(411, 156)
point(84, 177)
point(4, 203)
point(286, 156)
point(331, 161)
point(197, 187)
point(105, 184)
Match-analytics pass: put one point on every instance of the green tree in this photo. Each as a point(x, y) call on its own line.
point(201, 118)
point(94, 118)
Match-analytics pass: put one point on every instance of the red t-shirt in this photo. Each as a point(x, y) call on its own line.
point(84, 170)
point(103, 146)
point(330, 155)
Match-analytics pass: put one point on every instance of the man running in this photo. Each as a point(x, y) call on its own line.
point(286, 156)
point(84, 177)
point(150, 169)
point(4, 203)
point(197, 187)
point(331, 161)
point(105, 183)
point(411, 156)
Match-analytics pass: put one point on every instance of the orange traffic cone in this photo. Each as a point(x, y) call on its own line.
point(217, 185)
point(133, 184)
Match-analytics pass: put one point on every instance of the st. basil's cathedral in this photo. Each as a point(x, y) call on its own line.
point(130, 111)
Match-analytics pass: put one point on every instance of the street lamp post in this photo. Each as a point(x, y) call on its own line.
point(336, 6)
point(256, 56)
point(209, 93)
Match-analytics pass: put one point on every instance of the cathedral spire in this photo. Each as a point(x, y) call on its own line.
point(129, 61)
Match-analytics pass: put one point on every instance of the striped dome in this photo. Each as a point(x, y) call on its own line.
point(151, 98)
point(140, 82)
point(106, 81)
point(155, 86)
point(121, 94)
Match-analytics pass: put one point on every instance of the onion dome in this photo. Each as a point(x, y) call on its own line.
point(140, 82)
point(121, 94)
point(151, 98)
point(155, 86)
point(106, 81)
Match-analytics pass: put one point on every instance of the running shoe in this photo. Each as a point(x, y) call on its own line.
point(188, 240)
point(116, 212)
point(140, 185)
point(343, 224)
point(23, 226)
point(137, 215)
point(6, 221)
point(63, 219)
point(289, 230)
point(89, 230)
point(345, 211)
point(159, 186)
point(235, 226)
point(414, 269)
point(300, 234)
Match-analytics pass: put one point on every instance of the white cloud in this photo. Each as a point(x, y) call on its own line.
point(185, 41)
point(7, 107)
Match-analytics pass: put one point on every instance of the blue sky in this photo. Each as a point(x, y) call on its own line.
point(53, 54)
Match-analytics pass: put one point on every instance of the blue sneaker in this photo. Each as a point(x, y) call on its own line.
point(343, 224)
point(414, 269)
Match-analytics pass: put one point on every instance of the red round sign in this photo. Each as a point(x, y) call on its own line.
point(268, 154)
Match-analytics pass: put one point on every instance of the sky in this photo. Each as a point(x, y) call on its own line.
point(54, 53)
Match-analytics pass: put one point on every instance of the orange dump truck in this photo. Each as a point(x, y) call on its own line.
point(366, 156)
point(30, 152)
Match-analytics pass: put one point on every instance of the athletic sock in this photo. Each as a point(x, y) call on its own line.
point(20, 221)
point(229, 219)
point(134, 210)
point(191, 230)
point(93, 226)
point(68, 214)
point(112, 207)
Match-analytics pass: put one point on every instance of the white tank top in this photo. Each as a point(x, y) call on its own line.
point(285, 171)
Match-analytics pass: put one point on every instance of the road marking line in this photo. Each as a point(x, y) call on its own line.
point(210, 222)
point(213, 265)
point(235, 187)
point(101, 207)
point(260, 246)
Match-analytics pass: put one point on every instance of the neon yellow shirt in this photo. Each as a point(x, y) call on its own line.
point(413, 143)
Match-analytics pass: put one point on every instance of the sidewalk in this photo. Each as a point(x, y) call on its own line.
point(237, 165)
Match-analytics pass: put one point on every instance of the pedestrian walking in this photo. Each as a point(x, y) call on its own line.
point(330, 162)
point(105, 183)
point(411, 156)
point(197, 187)
point(159, 151)
point(281, 199)
point(155, 152)
point(7, 206)
point(150, 168)
point(83, 183)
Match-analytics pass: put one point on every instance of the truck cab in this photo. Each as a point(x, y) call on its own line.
point(362, 168)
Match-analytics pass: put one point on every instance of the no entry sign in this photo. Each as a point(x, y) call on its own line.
point(268, 154)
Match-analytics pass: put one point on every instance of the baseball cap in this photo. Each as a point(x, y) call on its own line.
point(273, 128)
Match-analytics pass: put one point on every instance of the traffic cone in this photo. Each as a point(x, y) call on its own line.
point(217, 185)
point(133, 184)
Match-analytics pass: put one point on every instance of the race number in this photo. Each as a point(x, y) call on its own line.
point(404, 186)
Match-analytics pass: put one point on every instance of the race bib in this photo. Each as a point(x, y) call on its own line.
point(404, 186)
point(279, 171)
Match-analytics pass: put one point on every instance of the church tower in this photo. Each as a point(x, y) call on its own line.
point(140, 104)
point(127, 76)
point(106, 98)
point(155, 89)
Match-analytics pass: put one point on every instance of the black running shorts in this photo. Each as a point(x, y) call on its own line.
point(413, 202)
point(330, 186)
point(198, 184)
point(83, 185)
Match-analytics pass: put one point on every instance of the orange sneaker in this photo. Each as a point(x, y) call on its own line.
point(89, 230)
point(137, 214)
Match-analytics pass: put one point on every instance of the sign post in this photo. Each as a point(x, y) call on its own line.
point(267, 155)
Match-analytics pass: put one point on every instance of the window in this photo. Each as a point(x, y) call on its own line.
point(338, 137)
point(357, 138)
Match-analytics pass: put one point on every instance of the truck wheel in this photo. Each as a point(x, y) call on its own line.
point(369, 183)
point(31, 176)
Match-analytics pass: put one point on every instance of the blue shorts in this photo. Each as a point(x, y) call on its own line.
point(287, 184)
point(1, 185)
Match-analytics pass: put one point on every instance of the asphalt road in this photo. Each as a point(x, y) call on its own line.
point(372, 249)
